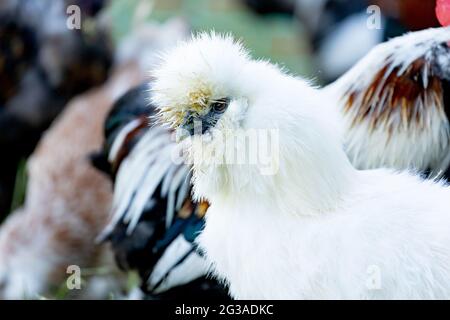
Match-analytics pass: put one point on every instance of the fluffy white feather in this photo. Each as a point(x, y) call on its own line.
point(317, 227)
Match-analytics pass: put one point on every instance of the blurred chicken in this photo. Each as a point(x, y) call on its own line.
point(68, 202)
point(395, 103)
point(155, 221)
point(331, 23)
point(42, 65)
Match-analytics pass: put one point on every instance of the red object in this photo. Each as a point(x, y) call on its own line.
point(443, 12)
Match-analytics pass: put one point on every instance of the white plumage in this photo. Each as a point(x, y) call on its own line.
point(318, 227)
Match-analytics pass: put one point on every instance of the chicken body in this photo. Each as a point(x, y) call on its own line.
point(387, 240)
point(315, 227)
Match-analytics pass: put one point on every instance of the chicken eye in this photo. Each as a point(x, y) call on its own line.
point(220, 105)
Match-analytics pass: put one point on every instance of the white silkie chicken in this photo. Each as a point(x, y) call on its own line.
point(315, 227)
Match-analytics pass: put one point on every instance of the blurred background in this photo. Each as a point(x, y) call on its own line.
point(45, 66)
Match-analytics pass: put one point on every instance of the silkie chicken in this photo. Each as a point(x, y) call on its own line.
point(132, 251)
point(315, 228)
point(155, 221)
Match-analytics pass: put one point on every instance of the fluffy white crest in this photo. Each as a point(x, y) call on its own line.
point(204, 68)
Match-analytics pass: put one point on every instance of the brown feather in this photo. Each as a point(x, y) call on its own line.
point(403, 93)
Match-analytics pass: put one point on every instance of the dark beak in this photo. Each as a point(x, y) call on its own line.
point(193, 125)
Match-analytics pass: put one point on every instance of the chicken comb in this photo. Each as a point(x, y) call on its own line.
point(443, 12)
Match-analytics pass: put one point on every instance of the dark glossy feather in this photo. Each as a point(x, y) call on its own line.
point(153, 228)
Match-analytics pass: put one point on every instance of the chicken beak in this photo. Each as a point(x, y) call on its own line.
point(193, 125)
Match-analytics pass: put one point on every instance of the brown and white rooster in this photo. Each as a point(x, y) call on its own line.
point(395, 103)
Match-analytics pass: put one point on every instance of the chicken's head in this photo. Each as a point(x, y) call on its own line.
point(198, 87)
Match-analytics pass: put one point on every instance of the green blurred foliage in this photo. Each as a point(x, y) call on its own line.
point(275, 37)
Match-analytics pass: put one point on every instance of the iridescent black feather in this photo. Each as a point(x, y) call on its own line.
point(145, 245)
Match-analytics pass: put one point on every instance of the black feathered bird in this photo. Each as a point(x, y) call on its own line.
point(155, 221)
